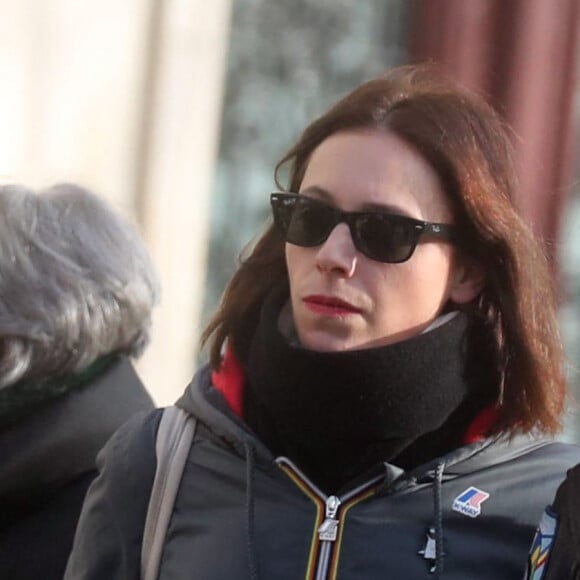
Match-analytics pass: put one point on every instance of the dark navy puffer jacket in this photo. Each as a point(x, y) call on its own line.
point(555, 553)
point(241, 513)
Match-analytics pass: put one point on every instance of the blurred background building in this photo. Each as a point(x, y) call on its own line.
point(177, 111)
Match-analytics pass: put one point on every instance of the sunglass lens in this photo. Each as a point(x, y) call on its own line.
point(386, 238)
point(310, 224)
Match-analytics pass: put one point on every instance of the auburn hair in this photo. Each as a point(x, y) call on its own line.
point(470, 147)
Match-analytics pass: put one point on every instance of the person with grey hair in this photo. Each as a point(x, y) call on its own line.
point(77, 290)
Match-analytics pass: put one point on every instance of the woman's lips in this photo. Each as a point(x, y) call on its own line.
point(329, 305)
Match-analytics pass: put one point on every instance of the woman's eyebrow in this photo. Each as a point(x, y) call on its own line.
point(371, 206)
point(320, 192)
point(385, 208)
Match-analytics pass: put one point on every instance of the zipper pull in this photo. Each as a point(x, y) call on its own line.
point(329, 528)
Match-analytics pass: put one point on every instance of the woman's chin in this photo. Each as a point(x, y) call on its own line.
point(327, 342)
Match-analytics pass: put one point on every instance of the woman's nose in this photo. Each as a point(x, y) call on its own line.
point(338, 253)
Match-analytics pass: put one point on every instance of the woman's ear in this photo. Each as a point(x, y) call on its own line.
point(467, 282)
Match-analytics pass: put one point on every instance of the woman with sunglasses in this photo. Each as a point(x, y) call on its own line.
point(379, 363)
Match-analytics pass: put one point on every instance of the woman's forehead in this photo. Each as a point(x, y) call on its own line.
point(362, 170)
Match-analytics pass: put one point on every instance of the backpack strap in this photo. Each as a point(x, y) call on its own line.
point(174, 438)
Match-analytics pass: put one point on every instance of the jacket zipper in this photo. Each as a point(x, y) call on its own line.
point(327, 534)
point(328, 531)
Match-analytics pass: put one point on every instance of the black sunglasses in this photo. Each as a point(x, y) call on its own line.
point(384, 237)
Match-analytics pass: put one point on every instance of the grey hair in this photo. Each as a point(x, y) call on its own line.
point(76, 283)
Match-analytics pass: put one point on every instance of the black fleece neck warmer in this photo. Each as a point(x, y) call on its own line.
point(337, 414)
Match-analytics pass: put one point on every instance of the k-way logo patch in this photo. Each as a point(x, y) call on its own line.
point(469, 502)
